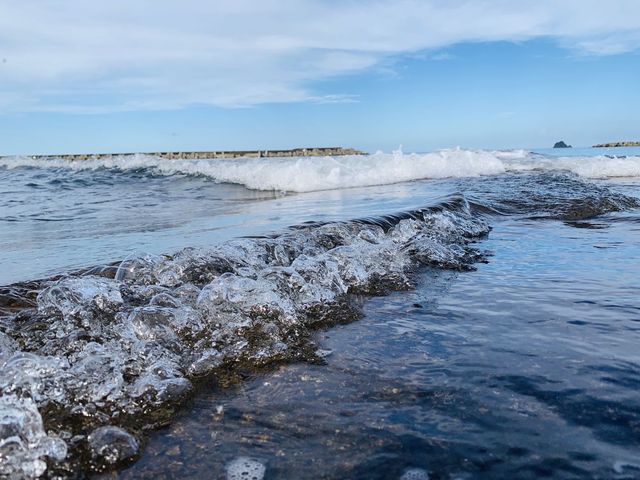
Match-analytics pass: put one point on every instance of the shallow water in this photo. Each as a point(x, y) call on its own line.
point(525, 368)
point(457, 328)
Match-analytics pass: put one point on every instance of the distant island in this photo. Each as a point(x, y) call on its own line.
point(561, 144)
point(617, 144)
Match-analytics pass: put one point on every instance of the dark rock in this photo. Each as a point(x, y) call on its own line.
point(561, 144)
point(113, 445)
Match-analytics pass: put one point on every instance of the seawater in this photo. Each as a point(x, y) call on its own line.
point(458, 314)
point(58, 215)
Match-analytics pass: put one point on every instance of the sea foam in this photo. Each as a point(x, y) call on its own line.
point(305, 174)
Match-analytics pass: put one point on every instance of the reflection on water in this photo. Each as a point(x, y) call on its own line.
point(526, 368)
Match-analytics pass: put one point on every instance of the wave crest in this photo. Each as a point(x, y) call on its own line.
point(304, 174)
point(98, 353)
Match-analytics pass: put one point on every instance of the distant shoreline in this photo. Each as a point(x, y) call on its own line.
point(617, 144)
point(294, 152)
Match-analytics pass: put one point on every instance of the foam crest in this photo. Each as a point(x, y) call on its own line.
point(304, 174)
point(298, 174)
point(599, 166)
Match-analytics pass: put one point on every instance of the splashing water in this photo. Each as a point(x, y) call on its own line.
point(100, 353)
point(305, 174)
point(100, 356)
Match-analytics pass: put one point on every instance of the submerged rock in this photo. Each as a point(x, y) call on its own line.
point(112, 445)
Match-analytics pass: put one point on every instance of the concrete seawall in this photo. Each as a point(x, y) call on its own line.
point(295, 152)
point(617, 144)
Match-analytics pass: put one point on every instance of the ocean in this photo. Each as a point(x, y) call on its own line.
point(459, 314)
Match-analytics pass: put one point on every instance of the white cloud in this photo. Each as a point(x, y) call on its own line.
point(81, 56)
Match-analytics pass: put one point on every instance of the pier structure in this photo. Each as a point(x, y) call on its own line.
point(294, 152)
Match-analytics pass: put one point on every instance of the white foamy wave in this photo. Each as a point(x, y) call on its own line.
point(299, 174)
point(304, 174)
point(599, 166)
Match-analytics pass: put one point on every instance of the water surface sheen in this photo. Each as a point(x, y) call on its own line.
point(454, 315)
point(525, 368)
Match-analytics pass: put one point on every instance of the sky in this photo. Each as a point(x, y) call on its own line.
point(122, 76)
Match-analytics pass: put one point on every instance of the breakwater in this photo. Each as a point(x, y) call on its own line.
point(617, 144)
point(294, 152)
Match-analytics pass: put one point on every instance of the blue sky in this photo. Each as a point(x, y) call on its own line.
point(196, 75)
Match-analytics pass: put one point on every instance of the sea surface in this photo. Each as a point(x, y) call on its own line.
point(460, 314)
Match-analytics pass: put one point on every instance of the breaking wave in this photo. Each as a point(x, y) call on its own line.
point(92, 359)
point(304, 174)
point(88, 362)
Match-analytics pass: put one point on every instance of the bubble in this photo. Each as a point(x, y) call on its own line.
point(7, 347)
point(97, 373)
point(42, 378)
point(112, 445)
point(152, 323)
point(207, 361)
point(23, 441)
point(76, 296)
point(244, 468)
point(138, 268)
point(415, 474)
point(109, 350)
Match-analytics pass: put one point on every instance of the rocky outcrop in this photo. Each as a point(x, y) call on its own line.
point(561, 144)
point(617, 144)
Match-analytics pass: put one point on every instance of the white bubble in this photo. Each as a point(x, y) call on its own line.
point(74, 296)
point(415, 474)
point(244, 468)
point(138, 267)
